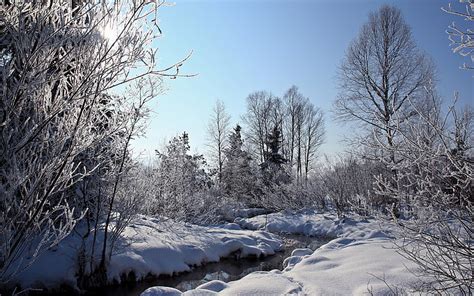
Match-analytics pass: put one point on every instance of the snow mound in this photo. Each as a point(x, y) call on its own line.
point(314, 223)
point(151, 246)
point(353, 269)
point(291, 261)
point(301, 252)
point(215, 286)
point(362, 259)
point(273, 283)
point(161, 291)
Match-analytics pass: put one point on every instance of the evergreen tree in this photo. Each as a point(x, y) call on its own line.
point(179, 177)
point(272, 169)
point(274, 143)
point(238, 177)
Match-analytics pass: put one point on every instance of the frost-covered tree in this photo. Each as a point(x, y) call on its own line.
point(382, 69)
point(121, 208)
point(179, 178)
point(348, 182)
point(258, 120)
point(435, 176)
point(61, 63)
point(218, 130)
point(438, 179)
point(313, 137)
point(239, 179)
point(300, 124)
point(294, 104)
point(462, 38)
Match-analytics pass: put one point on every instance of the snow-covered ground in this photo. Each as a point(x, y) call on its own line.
point(313, 223)
point(361, 260)
point(151, 246)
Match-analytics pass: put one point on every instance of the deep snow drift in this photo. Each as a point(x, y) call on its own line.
point(152, 246)
point(361, 260)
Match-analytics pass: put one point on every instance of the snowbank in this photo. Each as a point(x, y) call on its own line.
point(354, 268)
point(151, 246)
point(308, 222)
point(336, 269)
point(361, 260)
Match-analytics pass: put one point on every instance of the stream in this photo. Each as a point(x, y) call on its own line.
point(226, 270)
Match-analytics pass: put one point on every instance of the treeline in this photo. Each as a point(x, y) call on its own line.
point(264, 163)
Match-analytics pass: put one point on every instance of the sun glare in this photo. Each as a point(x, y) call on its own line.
point(109, 32)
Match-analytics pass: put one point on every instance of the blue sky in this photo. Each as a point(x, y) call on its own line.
point(249, 45)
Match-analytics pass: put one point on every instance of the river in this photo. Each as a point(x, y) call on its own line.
point(228, 269)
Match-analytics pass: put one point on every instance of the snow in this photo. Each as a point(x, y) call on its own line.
point(358, 260)
point(215, 286)
point(296, 256)
point(361, 259)
point(152, 246)
point(248, 212)
point(349, 269)
point(301, 252)
point(262, 283)
point(307, 222)
point(163, 291)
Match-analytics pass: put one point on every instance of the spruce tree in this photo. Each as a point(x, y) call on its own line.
point(272, 169)
point(238, 177)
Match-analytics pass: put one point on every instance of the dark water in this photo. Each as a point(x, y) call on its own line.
point(228, 269)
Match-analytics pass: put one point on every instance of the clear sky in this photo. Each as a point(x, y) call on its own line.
point(243, 46)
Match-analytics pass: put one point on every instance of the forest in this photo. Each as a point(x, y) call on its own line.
point(80, 213)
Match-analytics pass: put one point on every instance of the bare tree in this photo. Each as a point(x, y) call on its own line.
point(301, 119)
point(382, 69)
point(293, 102)
point(313, 136)
point(303, 132)
point(258, 119)
point(141, 92)
point(218, 132)
point(300, 123)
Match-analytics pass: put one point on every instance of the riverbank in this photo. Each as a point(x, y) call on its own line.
point(362, 260)
point(226, 270)
point(149, 247)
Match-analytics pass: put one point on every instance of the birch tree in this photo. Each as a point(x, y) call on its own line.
point(218, 131)
point(291, 98)
point(313, 137)
point(258, 120)
point(382, 69)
